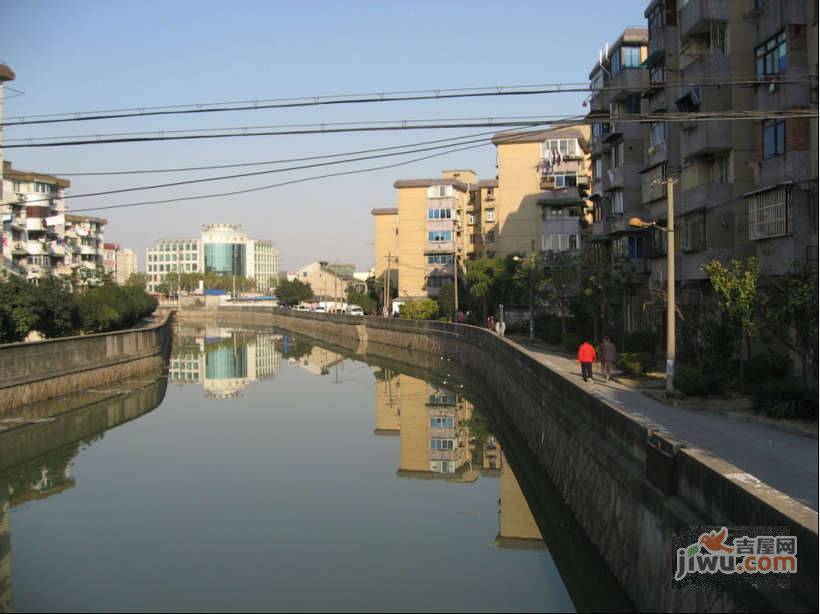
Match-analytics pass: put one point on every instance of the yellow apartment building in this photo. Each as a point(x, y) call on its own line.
point(388, 410)
point(540, 196)
point(386, 238)
point(517, 526)
point(432, 218)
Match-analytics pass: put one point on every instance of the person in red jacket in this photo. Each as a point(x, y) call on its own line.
point(586, 356)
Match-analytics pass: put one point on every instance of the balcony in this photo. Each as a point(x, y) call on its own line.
point(56, 250)
point(703, 196)
point(614, 178)
point(35, 223)
point(19, 249)
point(89, 250)
point(656, 154)
point(440, 247)
point(35, 248)
point(699, 139)
point(559, 198)
point(628, 81)
point(696, 15)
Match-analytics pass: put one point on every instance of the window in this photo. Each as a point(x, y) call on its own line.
point(720, 170)
point(442, 466)
point(440, 191)
point(597, 169)
point(653, 183)
point(438, 282)
point(440, 259)
point(717, 37)
point(442, 444)
point(657, 20)
point(490, 217)
point(490, 237)
point(471, 218)
point(657, 133)
point(693, 236)
point(439, 214)
point(616, 155)
point(441, 398)
point(558, 242)
point(656, 74)
point(600, 130)
point(770, 57)
point(442, 422)
point(774, 138)
point(617, 202)
point(42, 188)
point(625, 57)
point(490, 193)
point(566, 147)
point(565, 181)
point(440, 235)
point(770, 214)
point(635, 247)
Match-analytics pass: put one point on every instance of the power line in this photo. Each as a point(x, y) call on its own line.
point(256, 173)
point(511, 138)
point(265, 162)
point(379, 97)
point(396, 125)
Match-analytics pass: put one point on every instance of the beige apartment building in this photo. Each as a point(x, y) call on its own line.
point(326, 283)
point(539, 199)
point(386, 239)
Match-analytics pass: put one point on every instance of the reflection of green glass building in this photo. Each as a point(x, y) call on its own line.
point(226, 362)
point(225, 258)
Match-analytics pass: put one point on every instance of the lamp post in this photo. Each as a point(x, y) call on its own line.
point(637, 222)
point(531, 279)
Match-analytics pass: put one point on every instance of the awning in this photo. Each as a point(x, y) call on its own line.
point(782, 184)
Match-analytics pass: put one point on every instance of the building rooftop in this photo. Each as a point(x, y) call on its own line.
point(384, 211)
point(71, 217)
point(536, 136)
point(488, 183)
point(631, 35)
point(426, 183)
point(14, 174)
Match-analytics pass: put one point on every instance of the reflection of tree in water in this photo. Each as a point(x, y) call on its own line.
point(479, 428)
point(41, 478)
point(295, 348)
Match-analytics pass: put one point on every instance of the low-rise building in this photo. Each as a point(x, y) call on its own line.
point(126, 265)
point(327, 284)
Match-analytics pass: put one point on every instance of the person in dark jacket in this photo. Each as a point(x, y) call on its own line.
point(586, 356)
point(608, 357)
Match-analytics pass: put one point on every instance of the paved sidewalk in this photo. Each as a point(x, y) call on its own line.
point(787, 461)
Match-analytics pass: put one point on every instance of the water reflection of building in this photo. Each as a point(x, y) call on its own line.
point(224, 362)
point(318, 360)
point(516, 524)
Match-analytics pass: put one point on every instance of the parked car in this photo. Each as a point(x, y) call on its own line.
point(319, 309)
point(354, 310)
point(301, 308)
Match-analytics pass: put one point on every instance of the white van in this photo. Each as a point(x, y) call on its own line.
point(354, 310)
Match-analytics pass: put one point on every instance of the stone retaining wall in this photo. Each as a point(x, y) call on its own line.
point(630, 485)
point(41, 370)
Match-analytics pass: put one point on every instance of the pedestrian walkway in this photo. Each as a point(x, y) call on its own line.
point(787, 461)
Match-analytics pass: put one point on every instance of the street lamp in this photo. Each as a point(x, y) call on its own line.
point(531, 261)
point(636, 222)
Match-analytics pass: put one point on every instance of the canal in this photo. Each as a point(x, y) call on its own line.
point(269, 471)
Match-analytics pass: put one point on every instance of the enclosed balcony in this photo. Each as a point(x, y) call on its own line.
point(35, 223)
point(35, 248)
point(697, 139)
point(695, 15)
point(703, 196)
point(628, 81)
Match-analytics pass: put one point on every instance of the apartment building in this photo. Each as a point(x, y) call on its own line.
point(221, 249)
point(432, 216)
point(741, 187)
point(782, 208)
point(110, 251)
point(38, 238)
point(327, 283)
point(617, 144)
point(540, 197)
point(126, 265)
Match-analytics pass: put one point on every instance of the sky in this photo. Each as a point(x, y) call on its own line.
point(74, 56)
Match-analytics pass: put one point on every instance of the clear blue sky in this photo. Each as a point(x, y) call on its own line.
point(77, 56)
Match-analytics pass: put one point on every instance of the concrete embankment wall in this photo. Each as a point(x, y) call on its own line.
point(31, 372)
point(630, 485)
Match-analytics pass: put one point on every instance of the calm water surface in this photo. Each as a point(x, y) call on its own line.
point(277, 475)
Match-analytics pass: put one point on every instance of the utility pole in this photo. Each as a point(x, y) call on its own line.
point(387, 302)
point(455, 283)
point(670, 286)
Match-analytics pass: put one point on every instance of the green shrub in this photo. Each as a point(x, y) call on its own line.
point(693, 382)
point(641, 341)
point(424, 309)
point(635, 363)
point(786, 398)
point(766, 367)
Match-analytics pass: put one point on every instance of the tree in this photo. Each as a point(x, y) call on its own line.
point(561, 283)
point(18, 309)
point(57, 311)
point(424, 309)
point(736, 289)
point(480, 279)
point(447, 300)
point(365, 301)
point(790, 315)
point(293, 292)
point(139, 280)
point(530, 278)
